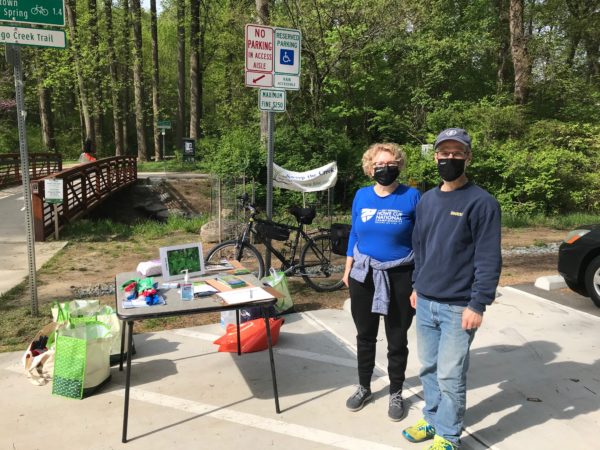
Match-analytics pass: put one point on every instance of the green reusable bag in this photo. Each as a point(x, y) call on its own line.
point(278, 281)
point(76, 311)
point(81, 361)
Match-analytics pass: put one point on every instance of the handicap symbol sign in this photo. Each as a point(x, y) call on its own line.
point(286, 56)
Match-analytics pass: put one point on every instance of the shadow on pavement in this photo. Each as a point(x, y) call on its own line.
point(531, 384)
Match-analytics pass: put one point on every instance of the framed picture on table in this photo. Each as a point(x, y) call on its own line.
point(176, 259)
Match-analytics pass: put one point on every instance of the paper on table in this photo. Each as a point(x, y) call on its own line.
point(204, 289)
point(244, 295)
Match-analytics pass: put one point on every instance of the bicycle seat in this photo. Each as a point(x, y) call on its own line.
point(303, 215)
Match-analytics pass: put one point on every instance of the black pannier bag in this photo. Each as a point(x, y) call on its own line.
point(272, 230)
point(340, 233)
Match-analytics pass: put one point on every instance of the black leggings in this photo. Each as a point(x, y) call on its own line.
point(397, 322)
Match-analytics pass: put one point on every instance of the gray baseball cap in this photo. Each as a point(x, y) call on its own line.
point(453, 134)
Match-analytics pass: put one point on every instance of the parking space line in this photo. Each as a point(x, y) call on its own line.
point(255, 421)
point(346, 362)
point(550, 302)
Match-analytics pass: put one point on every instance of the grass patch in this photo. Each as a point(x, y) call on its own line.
point(18, 326)
point(86, 230)
point(557, 222)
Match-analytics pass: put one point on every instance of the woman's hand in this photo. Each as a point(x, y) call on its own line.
point(349, 261)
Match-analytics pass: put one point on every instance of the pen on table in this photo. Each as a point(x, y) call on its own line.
point(250, 294)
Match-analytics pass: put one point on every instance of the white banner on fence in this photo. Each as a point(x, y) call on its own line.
point(310, 181)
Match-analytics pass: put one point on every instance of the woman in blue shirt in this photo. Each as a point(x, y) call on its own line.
point(378, 271)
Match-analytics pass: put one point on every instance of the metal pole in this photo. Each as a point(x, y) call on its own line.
point(270, 151)
point(55, 208)
point(15, 58)
point(219, 210)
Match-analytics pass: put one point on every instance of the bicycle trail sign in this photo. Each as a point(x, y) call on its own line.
point(39, 12)
point(32, 36)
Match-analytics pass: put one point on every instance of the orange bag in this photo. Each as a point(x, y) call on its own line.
point(253, 335)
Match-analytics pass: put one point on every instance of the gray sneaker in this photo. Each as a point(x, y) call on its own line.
point(359, 398)
point(396, 409)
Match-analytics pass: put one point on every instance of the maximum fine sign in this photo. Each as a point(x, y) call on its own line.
point(271, 100)
point(40, 12)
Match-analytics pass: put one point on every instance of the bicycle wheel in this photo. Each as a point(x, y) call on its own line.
point(322, 269)
point(249, 256)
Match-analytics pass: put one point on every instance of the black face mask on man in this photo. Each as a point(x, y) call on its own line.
point(451, 168)
point(386, 175)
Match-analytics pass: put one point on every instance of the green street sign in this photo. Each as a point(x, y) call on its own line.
point(40, 12)
point(166, 124)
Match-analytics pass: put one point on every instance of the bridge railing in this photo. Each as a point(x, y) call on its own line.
point(84, 187)
point(40, 165)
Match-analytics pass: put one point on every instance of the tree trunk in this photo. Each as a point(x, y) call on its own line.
point(114, 88)
point(503, 61)
point(126, 75)
point(262, 11)
point(194, 66)
point(70, 7)
point(46, 117)
point(138, 87)
point(95, 90)
point(155, 100)
point(518, 43)
point(180, 72)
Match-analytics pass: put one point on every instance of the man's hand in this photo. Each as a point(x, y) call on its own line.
point(470, 319)
point(413, 299)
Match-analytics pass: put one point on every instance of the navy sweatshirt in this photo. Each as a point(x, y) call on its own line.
point(456, 240)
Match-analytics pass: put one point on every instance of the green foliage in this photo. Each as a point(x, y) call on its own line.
point(238, 151)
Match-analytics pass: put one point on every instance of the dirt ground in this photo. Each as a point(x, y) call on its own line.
point(84, 265)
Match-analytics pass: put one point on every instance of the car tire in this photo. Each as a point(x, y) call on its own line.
point(592, 280)
point(577, 288)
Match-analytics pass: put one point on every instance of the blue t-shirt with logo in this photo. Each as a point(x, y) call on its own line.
point(382, 226)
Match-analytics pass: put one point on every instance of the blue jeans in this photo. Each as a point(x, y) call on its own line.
point(443, 348)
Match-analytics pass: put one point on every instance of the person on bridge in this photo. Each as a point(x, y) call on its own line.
point(457, 267)
point(89, 153)
point(379, 267)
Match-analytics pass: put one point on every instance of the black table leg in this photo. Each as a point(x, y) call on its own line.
point(123, 325)
point(127, 379)
point(237, 324)
point(265, 312)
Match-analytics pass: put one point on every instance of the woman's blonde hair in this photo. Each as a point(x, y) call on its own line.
point(374, 149)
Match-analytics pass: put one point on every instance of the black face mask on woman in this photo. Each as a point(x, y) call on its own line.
point(451, 168)
point(386, 175)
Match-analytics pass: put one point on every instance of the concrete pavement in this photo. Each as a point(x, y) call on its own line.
point(13, 241)
point(533, 384)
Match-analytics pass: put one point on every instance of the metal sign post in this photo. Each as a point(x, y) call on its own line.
point(270, 152)
point(272, 57)
point(14, 56)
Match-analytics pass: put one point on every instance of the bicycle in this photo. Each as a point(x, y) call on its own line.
point(39, 9)
point(318, 266)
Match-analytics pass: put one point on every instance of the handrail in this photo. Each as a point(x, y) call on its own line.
point(84, 187)
point(40, 165)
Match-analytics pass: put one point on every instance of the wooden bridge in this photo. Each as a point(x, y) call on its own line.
point(85, 186)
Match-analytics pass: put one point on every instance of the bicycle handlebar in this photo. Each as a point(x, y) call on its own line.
point(245, 201)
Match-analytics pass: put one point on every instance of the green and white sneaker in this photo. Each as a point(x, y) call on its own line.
point(419, 432)
point(439, 443)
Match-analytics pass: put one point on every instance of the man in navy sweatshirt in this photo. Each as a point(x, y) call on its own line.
point(456, 241)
